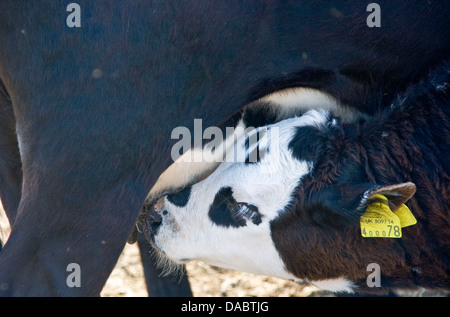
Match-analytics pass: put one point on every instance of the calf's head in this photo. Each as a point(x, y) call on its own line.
point(275, 215)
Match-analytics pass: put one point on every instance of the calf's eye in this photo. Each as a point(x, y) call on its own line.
point(249, 211)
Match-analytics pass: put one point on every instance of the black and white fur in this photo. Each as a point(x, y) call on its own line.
point(295, 213)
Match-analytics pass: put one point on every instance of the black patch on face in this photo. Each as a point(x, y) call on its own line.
point(181, 198)
point(225, 210)
point(307, 143)
point(221, 212)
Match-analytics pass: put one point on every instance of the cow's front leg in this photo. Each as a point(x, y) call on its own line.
point(61, 247)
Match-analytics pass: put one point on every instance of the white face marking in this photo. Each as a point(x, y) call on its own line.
point(188, 232)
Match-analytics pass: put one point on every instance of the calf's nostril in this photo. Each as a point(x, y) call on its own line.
point(154, 225)
point(165, 212)
point(154, 221)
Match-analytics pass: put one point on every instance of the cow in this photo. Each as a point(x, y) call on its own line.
point(325, 202)
point(89, 110)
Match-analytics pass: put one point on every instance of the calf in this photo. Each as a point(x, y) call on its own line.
point(298, 212)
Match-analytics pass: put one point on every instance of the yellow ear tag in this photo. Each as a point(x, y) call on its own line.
point(405, 215)
point(378, 221)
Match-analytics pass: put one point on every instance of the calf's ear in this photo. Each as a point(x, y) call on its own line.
point(349, 201)
point(397, 194)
